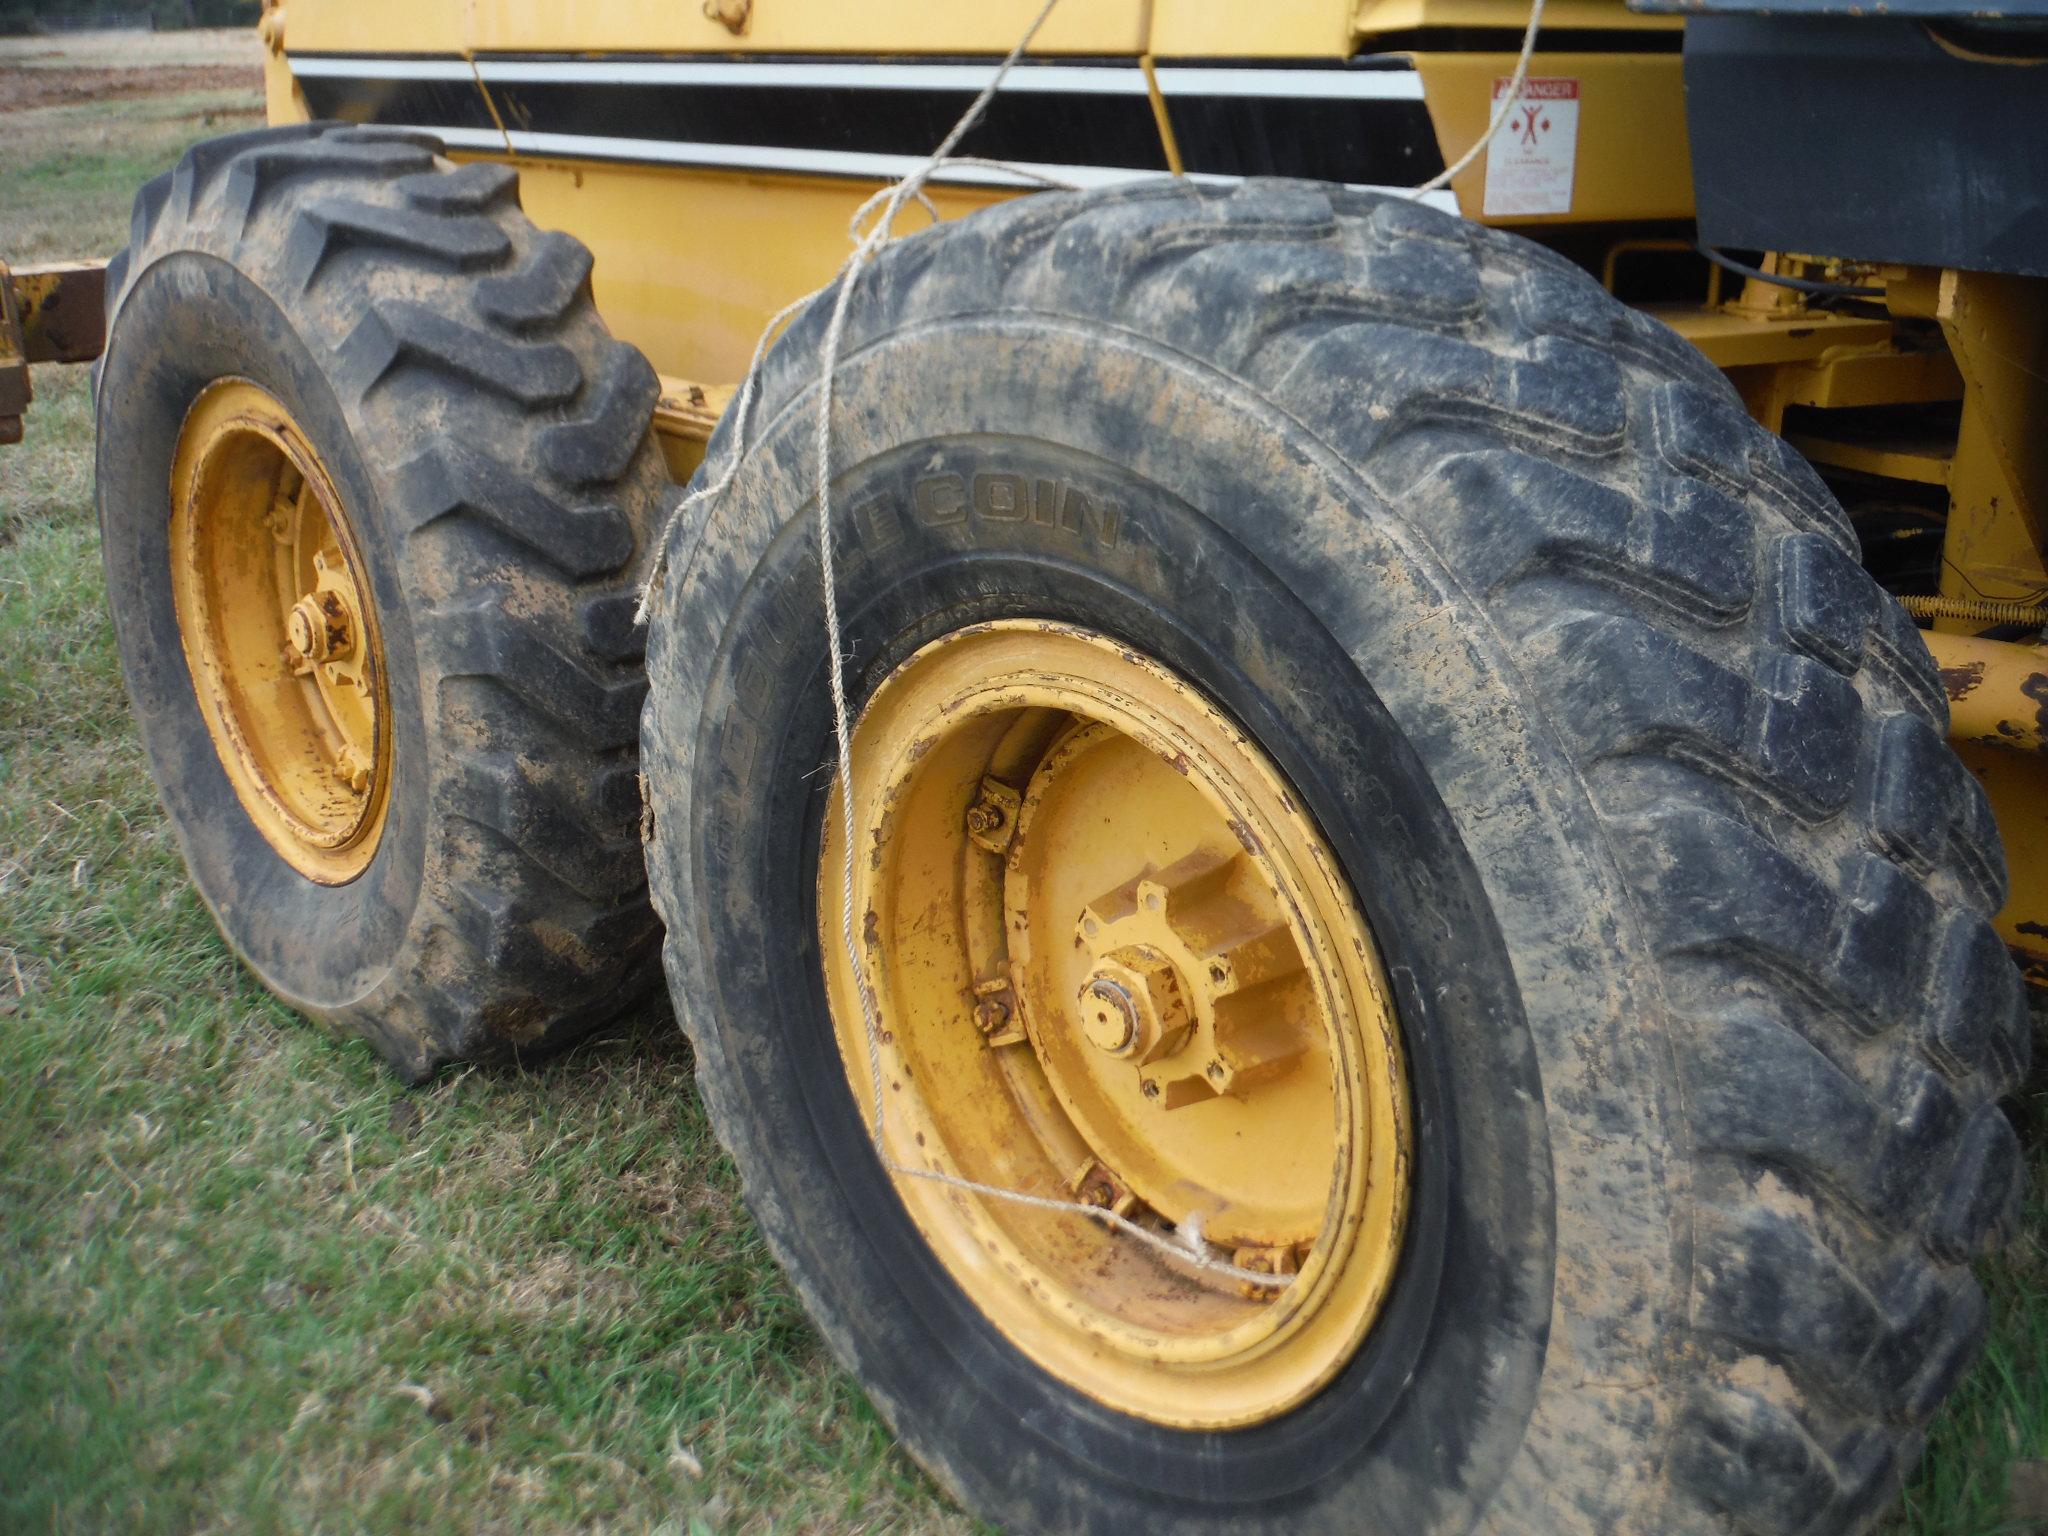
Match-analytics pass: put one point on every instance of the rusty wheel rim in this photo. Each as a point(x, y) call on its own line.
point(1113, 960)
point(279, 633)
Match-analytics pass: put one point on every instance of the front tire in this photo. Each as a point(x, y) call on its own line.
point(1636, 778)
point(340, 309)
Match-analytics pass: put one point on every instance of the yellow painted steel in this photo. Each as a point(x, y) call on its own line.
point(1633, 160)
point(1998, 724)
point(1112, 959)
point(1224, 29)
point(2016, 783)
point(1915, 462)
point(1397, 16)
point(1227, 29)
point(692, 264)
point(672, 26)
point(1734, 340)
point(1174, 28)
point(279, 633)
point(685, 416)
point(1997, 329)
point(1997, 690)
point(15, 389)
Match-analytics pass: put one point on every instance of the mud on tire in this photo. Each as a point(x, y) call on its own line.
point(490, 441)
point(1640, 779)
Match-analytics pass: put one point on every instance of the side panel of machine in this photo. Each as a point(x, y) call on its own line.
point(727, 26)
point(1868, 138)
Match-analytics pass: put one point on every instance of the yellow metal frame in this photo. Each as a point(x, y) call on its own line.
point(669, 274)
point(690, 263)
point(49, 313)
point(1633, 160)
point(1997, 331)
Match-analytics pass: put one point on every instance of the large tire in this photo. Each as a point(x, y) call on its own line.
point(489, 441)
point(1641, 781)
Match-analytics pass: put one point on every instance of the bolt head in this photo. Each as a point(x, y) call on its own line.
point(1133, 1005)
point(301, 629)
point(1109, 1015)
point(352, 770)
point(317, 627)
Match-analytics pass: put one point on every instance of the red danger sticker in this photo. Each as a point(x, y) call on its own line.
point(1529, 164)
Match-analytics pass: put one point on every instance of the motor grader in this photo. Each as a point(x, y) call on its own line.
point(1409, 934)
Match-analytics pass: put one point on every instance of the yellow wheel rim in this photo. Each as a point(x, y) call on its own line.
point(279, 633)
point(1112, 959)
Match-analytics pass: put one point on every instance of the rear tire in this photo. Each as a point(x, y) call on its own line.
point(1639, 779)
point(489, 444)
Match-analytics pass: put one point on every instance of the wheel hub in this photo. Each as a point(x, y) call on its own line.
point(1236, 1021)
point(279, 636)
point(1113, 961)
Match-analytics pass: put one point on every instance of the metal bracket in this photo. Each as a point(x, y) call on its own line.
point(52, 313)
point(992, 819)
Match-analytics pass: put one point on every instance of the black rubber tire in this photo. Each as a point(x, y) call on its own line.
point(490, 440)
point(1640, 779)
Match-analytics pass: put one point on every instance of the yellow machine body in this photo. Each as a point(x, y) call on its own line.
point(692, 260)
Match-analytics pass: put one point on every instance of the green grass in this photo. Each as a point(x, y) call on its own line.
point(68, 174)
point(1999, 1415)
point(248, 1283)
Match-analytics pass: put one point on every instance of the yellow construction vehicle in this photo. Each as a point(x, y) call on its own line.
point(1408, 932)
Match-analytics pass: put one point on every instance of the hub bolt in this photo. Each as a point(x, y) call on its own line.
point(1109, 1015)
point(317, 627)
point(992, 818)
point(352, 770)
point(1132, 1005)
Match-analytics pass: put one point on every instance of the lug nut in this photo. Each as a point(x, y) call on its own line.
point(352, 770)
point(992, 818)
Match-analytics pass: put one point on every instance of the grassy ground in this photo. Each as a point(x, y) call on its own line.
point(248, 1284)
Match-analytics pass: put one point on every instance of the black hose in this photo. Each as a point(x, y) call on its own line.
point(1796, 284)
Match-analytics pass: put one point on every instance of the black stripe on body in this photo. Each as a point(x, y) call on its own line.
point(415, 103)
point(1371, 140)
point(1062, 129)
point(1372, 143)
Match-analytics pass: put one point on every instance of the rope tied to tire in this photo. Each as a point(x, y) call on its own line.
point(871, 230)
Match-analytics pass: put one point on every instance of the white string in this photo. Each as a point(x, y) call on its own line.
point(1189, 1249)
point(1187, 1245)
point(1516, 82)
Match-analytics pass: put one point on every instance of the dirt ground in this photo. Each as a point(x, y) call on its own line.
point(58, 85)
point(80, 68)
point(221, 47)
